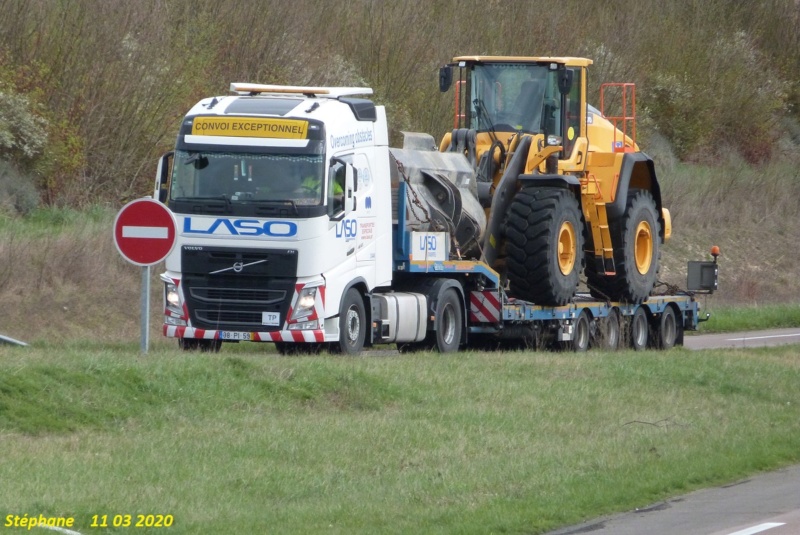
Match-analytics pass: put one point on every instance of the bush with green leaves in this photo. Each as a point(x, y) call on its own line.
point(23, 133)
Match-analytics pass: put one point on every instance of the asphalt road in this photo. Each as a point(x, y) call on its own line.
point(771, 337)
point(767, 504)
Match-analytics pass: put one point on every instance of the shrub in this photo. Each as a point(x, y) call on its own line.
point(17, 190)
point(23, 133)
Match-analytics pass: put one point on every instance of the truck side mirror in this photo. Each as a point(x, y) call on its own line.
point(445, 78)
point(162, 177)
point(564, 81)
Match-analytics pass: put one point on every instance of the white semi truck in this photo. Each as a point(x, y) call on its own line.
point(298, 225)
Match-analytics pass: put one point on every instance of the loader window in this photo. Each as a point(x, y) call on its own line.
point(572, 129)
point(507, 97)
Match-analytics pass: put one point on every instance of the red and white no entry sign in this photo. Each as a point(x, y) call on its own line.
point(144, 232)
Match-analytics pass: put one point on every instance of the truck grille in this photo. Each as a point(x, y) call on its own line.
point(228, 289)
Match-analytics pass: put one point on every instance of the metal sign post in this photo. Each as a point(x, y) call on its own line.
point(145, 342)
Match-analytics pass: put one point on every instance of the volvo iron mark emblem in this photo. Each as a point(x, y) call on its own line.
point(237, 267)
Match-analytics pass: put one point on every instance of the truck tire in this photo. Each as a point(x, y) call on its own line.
point(352, 324)
point(200, 344)
point(293, 348)
point(449, 322)
point(637, 250)
point(639, 330)
point(544, 241)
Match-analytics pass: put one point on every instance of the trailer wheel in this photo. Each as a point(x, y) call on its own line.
point(668, 329)
point(449, 322)
point(544, 241)
point(352, 324)
point(607, 336)
point(581, 335)
point(639, 330)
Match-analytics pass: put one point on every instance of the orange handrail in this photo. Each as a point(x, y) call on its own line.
point(458, 116)
point(625, 123)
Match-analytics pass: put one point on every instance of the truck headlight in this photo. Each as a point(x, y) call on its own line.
point(305, 303)
point(173, 299)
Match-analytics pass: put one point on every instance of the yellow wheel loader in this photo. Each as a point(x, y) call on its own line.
point(564, 188)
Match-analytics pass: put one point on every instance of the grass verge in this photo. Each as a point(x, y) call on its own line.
point(243, 442)
point(752, 318)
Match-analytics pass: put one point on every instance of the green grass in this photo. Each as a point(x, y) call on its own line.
point(248, 442)
point(47, 221)
point(746, 318)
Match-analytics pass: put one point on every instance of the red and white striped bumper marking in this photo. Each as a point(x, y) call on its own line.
point(484, 307)
point(315, 336)
point(292, 336)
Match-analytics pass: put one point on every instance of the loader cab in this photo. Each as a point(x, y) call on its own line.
point(501, 97)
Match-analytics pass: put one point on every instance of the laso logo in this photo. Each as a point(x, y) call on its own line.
point(239, 227)
point(347, 228)
point(427, 242)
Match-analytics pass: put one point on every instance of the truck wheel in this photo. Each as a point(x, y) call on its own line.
point(188, 344)
point(292, 348)
point(580, 335)
point(352, 323)
point(449, 322)
point(639, 330)
point(637, 249)
point(607, 336)
point(544, 237)
point(667, 334)
point(197, 344)
point(413, 347)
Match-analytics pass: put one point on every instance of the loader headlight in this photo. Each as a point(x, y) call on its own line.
point(553, 141)
point(305, 303)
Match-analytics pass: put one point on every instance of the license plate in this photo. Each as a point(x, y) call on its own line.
point(234, 335)
point(271, 318)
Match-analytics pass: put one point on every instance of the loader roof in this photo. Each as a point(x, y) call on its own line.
point(573, 62)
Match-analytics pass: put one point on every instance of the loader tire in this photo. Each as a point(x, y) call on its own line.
point(544, 242)
point(637, 250)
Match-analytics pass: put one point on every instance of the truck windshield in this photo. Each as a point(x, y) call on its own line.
point(240, 181)
point(511, 97)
